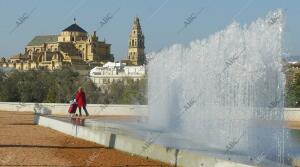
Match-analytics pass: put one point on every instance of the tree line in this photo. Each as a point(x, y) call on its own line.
point(292, 87)
point(60, 86)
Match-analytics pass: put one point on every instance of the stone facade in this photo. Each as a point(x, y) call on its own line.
point(72, 47)
point(136, 54)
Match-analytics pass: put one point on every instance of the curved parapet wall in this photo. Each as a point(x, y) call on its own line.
point(135, 146)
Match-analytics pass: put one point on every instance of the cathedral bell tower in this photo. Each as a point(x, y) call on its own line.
point(136, 54)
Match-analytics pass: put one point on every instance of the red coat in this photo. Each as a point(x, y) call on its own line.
point(80, 99)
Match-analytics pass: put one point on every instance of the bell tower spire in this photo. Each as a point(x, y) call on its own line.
point(136, 47)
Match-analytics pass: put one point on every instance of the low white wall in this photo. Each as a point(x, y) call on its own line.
point(291, 114)
point(62, 109)
point(136, 146)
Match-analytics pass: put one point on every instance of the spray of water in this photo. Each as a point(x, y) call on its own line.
point(224, 92)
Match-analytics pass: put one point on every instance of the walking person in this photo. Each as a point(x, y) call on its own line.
point(81, 101)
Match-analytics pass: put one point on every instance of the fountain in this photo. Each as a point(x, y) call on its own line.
point(224, 93)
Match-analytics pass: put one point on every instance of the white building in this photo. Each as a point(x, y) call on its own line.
point(113, 72)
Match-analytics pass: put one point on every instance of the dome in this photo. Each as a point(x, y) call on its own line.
point(75, 28)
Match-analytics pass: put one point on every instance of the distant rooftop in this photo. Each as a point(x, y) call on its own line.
point(40, 40)
point(18, 56)
point(75, 27)
point(113, 65)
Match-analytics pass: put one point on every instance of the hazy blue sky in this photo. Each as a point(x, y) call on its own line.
point(161, 20)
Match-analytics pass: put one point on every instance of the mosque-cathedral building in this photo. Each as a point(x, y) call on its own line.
point(74, 47)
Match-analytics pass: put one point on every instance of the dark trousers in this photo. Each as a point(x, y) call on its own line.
point(84, 108)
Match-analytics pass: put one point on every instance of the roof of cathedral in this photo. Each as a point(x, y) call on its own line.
point(75, 27)
point(40, 40)
point(19, 56)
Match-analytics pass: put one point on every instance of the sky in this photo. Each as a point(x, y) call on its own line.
point(162, 21)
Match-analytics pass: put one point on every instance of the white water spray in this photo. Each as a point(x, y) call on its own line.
point(224, 92)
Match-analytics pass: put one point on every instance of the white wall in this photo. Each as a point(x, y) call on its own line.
point(62, 108)
point(291, 114)
point(136, 146)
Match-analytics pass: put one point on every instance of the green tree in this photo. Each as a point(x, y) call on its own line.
point(60, 86)
point(9, 88)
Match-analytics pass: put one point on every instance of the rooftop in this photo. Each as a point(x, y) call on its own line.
point(18, 56)
point(40, 40)
point(75, 27)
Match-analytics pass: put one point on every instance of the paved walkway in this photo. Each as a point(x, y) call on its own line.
point(293, 125)
point(25, 144)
